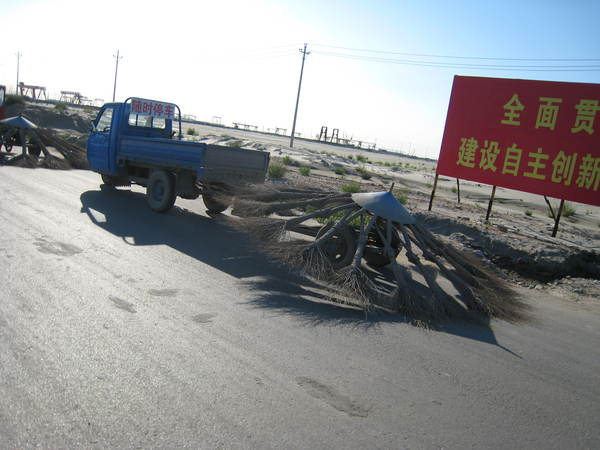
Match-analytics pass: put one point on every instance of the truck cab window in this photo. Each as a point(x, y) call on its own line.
point(105, 120)
point(140, 120)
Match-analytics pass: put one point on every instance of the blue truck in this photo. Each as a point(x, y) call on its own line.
point(134, 142)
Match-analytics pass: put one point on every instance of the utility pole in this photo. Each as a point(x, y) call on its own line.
point(304, 53)
point(117, 57)
point(18, 62)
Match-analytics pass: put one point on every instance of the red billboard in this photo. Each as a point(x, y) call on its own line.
point(541, 137)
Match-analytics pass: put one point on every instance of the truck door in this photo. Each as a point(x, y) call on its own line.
point(99, 152)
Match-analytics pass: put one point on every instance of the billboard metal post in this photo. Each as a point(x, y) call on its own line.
point(550, 206)
point(433, 191)
point(489, 210)
point(560, 209)
point(458, 189)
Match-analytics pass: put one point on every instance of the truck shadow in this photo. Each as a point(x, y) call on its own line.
point(125, 214)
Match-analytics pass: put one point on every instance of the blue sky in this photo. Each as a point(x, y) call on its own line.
point(239, 60)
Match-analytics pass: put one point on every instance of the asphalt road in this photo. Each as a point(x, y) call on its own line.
point(120, 327)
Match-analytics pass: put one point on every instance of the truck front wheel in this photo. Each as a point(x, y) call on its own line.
point(160, 191)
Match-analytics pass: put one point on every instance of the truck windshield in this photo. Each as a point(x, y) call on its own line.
point(105, 120)
point(140, 120)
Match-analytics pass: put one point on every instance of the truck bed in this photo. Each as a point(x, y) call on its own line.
point(211, 163)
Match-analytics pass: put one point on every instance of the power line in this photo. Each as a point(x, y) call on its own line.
point(459, 56)
point(455, 65)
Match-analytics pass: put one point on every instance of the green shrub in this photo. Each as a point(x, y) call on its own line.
point(340, 171)
point(276, 170)
point(401, 196)
point(305, 171)
point(364, 173)
point(362, 159)
point(351, 187)
point(335, 217)
point(235, 143)
point(191, 131)
point(567, 211)
point(528, 213)
point(350, 157)
point(288, 161)
point(60, 107)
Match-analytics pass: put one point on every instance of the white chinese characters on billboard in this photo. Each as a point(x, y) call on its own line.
point(152, 108)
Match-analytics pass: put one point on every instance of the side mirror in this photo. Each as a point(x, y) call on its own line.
point(93, 127)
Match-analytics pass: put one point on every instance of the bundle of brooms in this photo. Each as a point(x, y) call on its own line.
point(36, 142)
point(274, 216)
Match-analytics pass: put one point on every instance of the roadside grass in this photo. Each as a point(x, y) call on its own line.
point(288, 161)
point(335, 217)
point(401, 196)
point(353, 188)
point(305, 171)
point(276, 170)
point(567, 211)
point(364, 173)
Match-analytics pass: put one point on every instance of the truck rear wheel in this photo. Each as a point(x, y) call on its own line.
point(160, 191)
point(213, 205)
point(108, 180)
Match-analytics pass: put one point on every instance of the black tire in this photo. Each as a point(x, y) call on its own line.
point(34, 150)
point(375, 254)
point(339, 248)
point(160, 191)
point(108, 180)
point(213, 205)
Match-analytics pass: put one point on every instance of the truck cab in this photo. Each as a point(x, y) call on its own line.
point(117, 120)
point(135, 142)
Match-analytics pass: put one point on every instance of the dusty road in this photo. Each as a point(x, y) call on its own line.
point(124, 328)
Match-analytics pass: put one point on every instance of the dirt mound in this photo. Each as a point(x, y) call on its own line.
point(47, 115)
point(537, 258)
point(44, 149)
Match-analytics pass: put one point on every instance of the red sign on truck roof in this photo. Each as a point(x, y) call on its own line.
point(540, 137)
point(153, 108)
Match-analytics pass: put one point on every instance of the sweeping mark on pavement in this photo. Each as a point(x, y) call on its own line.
point(122, 304)
point(331, 397)
point(204, 318)
point(163, 292)
point(56, 248)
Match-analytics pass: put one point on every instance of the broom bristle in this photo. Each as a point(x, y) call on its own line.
point(355, 287)
point(482, 294)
